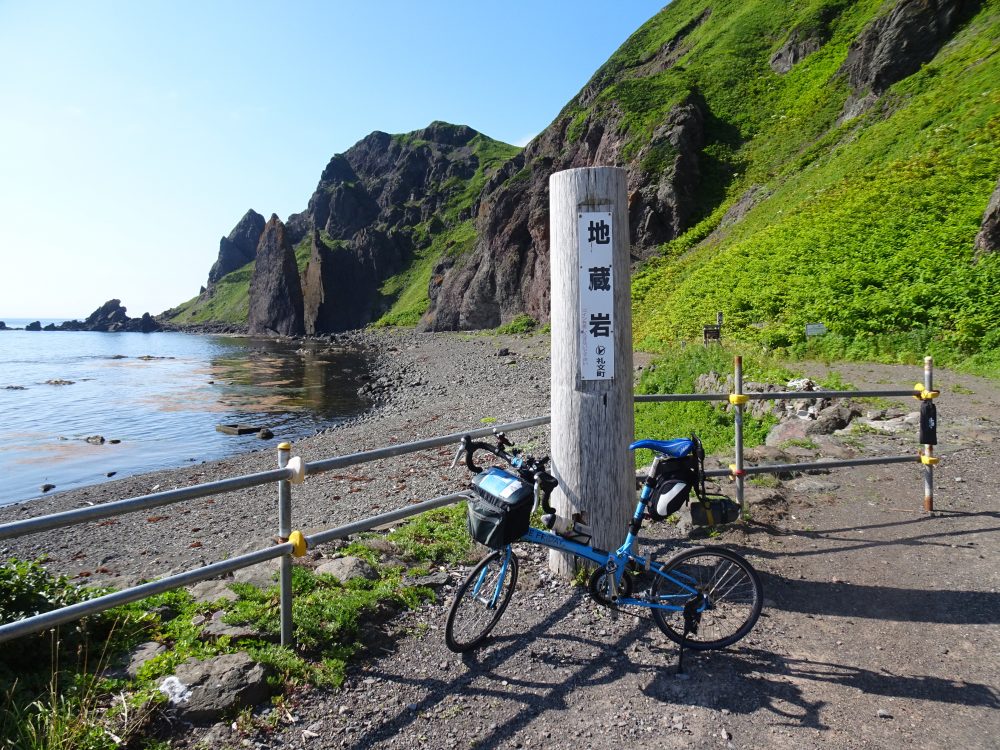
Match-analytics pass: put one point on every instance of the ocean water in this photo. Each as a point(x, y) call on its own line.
point(161, 395)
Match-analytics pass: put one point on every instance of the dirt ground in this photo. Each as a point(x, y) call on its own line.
point(879, 629)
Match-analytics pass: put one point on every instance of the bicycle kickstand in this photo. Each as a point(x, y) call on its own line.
point(690, 626)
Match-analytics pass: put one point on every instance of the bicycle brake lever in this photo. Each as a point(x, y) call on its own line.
point(458, 455)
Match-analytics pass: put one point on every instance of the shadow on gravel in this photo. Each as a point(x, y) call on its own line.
point(779, 684)
point(535, 695)
point(938, 537)
point(882, 602)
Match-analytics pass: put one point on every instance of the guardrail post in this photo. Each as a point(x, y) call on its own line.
point(928, 449)
point(285, 561)
point(738, 421)
point(592, 395)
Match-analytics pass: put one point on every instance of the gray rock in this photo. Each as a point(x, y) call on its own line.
point(794, 50)
point(216, 628)
point(781, 433)
point(895, 45)
point(434, 580)
point(142, 654)
point(346, 568)
point(206, 690)
point(262, 575)
point(833, 418)
point(210, 591)
point(240, 247)
point(988, 238)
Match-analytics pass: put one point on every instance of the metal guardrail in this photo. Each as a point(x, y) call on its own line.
point(283, 550)
point(293, 543)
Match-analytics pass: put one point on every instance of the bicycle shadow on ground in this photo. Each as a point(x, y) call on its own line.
point(534, 695)
point(781, 684)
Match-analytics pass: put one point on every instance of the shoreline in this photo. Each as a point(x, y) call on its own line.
point(420, 385)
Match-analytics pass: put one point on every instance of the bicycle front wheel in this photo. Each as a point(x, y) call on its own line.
point(481, 601)
point(717, 591)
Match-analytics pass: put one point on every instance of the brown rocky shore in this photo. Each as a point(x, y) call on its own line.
point(879, 628)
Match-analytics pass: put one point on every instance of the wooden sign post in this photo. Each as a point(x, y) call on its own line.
point(592, 418)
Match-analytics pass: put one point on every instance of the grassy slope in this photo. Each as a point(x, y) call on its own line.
point(870, 225)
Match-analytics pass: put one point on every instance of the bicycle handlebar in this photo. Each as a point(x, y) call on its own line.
point(530, 469)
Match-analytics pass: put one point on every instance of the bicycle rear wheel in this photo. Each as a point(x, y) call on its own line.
point(481, 601)
point(720, 592)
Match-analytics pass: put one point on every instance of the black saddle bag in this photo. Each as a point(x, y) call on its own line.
point(500, 509)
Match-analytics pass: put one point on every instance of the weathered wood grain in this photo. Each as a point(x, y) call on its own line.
point(592, 421)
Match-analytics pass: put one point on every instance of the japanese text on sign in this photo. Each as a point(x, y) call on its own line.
point(597, 303)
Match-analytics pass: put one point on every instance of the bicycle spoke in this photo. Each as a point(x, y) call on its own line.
point(732, 593)
point(480, 601)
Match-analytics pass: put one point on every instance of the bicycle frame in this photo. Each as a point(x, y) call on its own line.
point(615, 561)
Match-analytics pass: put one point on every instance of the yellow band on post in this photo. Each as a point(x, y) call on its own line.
point(738, 399)
point(284, 446)
point(928, 395)
point(928, 460)
point(298, 543)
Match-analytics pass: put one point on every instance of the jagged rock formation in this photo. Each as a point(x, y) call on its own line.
point(110, 317)
point(239, 248)
point(275, 290)
point(988, 238)
point(378, 205)
point(895, 45)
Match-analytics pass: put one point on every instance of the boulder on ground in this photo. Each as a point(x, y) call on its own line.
point(346, 568)
point(205, 690)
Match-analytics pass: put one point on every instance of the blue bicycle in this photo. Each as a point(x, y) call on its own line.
point(701, 598)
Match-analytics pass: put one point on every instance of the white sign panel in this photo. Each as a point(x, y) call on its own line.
point(597, 299)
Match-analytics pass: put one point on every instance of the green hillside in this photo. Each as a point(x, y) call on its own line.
point(868, 226)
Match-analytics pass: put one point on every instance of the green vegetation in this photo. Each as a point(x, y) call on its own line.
point(451, 233)
point(52, 694)
point(869, 224)
point(677, 372)
point(229, 302)
point(407, 291)
point(522, 323)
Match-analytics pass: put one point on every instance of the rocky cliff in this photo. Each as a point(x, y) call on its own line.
point(239, 248)
point(381, 216)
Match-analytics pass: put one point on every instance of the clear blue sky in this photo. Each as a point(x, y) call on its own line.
point(134, 135)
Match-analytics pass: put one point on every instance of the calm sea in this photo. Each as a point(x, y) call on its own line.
point(161, 395)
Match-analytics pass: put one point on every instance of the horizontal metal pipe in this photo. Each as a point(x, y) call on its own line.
point(48, 620)
point(367, 524)
point(775, 468)
point(652, 397)
point(326, 464)
point(765, 396)
point(144, 502)
point(768, 396)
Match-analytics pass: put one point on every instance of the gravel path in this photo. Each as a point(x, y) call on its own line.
point(880, 622)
